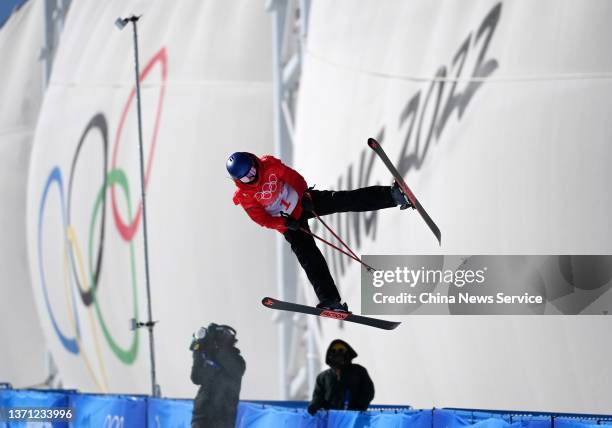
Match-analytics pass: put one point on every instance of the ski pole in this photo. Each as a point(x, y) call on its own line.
point(334, 233)
point(357, 259)
point(344, 244)
point(352, 255)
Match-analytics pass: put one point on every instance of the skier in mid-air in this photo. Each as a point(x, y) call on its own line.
point(277, 197)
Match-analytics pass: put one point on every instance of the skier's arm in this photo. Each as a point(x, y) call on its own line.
point(259, 215)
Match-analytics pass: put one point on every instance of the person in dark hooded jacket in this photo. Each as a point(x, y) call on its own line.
point(218, 369)
point(344, 385)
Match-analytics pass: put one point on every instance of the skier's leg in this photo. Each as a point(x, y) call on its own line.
point(365, 199)
point(313, 263)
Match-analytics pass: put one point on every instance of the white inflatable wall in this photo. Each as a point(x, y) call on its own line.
point(206, 89)
point(23, 357)
point(509, 154)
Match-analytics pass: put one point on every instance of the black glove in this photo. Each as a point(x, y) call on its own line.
point(292, 224)
point(307, 202)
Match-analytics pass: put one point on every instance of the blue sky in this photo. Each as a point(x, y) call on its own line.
point(6, 7)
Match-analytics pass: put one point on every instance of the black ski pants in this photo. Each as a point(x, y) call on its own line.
point(329, 202)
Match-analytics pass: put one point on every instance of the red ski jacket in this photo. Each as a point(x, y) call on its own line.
point(278, 189)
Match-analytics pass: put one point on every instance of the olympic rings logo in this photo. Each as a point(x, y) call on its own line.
point(268, 189)
point(86, 276)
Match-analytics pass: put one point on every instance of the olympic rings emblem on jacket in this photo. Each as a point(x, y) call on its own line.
point(268, 188)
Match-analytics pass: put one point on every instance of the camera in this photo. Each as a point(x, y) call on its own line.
point(213, 337)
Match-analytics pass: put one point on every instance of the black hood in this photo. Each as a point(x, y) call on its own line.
point(351, 354)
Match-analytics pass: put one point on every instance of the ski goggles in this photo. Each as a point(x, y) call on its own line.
point(249, 175)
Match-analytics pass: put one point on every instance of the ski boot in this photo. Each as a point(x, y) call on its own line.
point(333, 305)
point(399, 197)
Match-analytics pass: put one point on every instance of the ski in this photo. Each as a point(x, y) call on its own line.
point(374, 145)
point(271, 303)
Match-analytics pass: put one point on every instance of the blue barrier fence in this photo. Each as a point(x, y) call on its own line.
point(123, 411)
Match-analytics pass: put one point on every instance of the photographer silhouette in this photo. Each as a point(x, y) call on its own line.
point(218, 368)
